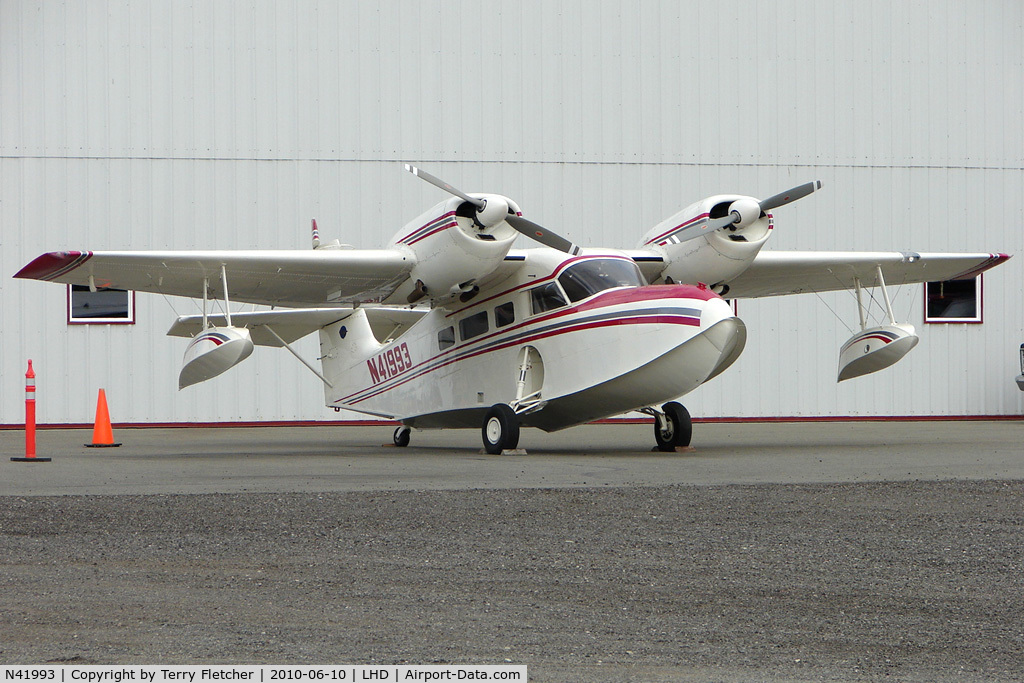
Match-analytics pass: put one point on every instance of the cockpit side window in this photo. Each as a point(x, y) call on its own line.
point(473, 326)
point(446, 338)
point(546, 297)
point(505, 314)
point(589, 277)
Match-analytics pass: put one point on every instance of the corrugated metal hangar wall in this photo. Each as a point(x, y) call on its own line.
point(150, 125)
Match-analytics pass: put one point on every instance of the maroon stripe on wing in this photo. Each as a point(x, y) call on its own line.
point(53, 265)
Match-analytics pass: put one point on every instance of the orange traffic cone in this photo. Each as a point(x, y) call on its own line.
point(102, 434)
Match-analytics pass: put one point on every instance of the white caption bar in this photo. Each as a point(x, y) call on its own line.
point(218, 673)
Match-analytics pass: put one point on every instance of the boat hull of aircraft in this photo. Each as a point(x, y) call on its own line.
point(658, 381)
point(615, 352)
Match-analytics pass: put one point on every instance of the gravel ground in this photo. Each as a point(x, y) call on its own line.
point(906, 581)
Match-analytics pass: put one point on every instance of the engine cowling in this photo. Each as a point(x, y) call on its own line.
point(719, 255)
point(454, 245)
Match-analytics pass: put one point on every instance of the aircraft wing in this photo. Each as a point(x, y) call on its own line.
point(774, 273)
point(279, 278)
point(295, 323)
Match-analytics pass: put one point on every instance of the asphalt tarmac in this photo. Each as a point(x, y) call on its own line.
point(772, 552)
point(331, 458)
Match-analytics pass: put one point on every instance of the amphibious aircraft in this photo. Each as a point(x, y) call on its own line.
point(449, 326)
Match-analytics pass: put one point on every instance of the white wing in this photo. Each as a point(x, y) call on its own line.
point(774, 273)
point(279, 278)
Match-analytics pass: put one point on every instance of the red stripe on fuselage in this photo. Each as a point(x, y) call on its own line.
point(636, 320)
point(558, 271)
point(646, 293)
point(613, 297)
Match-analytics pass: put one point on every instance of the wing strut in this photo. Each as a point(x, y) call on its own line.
point(885, 295)
point(227, 302)
point(296, 354)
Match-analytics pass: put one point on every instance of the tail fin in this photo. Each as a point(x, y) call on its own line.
point(333, 244)
point(345, 347)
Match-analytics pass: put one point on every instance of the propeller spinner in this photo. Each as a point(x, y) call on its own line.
point(491, 211)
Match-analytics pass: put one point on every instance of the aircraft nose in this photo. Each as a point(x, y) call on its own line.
point(729, 336)
point(715, 311)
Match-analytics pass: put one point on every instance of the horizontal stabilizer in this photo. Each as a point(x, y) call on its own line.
point(293, 324)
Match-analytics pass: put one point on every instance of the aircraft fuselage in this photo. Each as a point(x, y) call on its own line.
point(564, 340)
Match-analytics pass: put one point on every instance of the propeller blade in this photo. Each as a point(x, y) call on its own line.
point(541, 234)
point(773, 202)
point(526, 227)
point(783, 198)
point(697, 229)
point(437, 182)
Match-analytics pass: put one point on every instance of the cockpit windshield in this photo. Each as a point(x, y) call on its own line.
point(589, 277)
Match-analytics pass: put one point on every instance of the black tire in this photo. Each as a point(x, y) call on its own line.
point(679, 431)
point(402, 435)
point(501, 429)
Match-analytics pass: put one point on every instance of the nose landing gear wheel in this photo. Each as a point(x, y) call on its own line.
point(402, 436)
point(678, 428)
point(501, 429)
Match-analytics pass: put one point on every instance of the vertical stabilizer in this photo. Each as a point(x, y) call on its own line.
point(344, 348)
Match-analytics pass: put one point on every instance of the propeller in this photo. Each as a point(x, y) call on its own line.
point(743, 212)
point(480, 204)
point(541, 234)
point(494, 210)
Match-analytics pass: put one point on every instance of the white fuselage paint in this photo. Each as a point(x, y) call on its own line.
point(617, 350)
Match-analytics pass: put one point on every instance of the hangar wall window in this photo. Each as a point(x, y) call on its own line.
point(104, 306)
point(953, 301)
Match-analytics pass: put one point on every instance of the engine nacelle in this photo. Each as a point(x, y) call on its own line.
point(454, 245)
point(717, 256)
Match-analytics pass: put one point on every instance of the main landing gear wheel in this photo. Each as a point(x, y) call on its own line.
point(678, 428)
point(501, 429)
point(402, 436)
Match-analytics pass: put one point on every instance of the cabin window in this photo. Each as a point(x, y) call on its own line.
point(473, 326)
point(446, 338)
point(504, 314)
point(589, 277)
point(953, 301)
point(104, 306)
point(547, 297)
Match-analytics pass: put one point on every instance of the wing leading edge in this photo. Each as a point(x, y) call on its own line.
point(278, 278)
point(774, 273)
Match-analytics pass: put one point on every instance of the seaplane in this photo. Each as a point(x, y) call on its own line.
point(448, 326)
